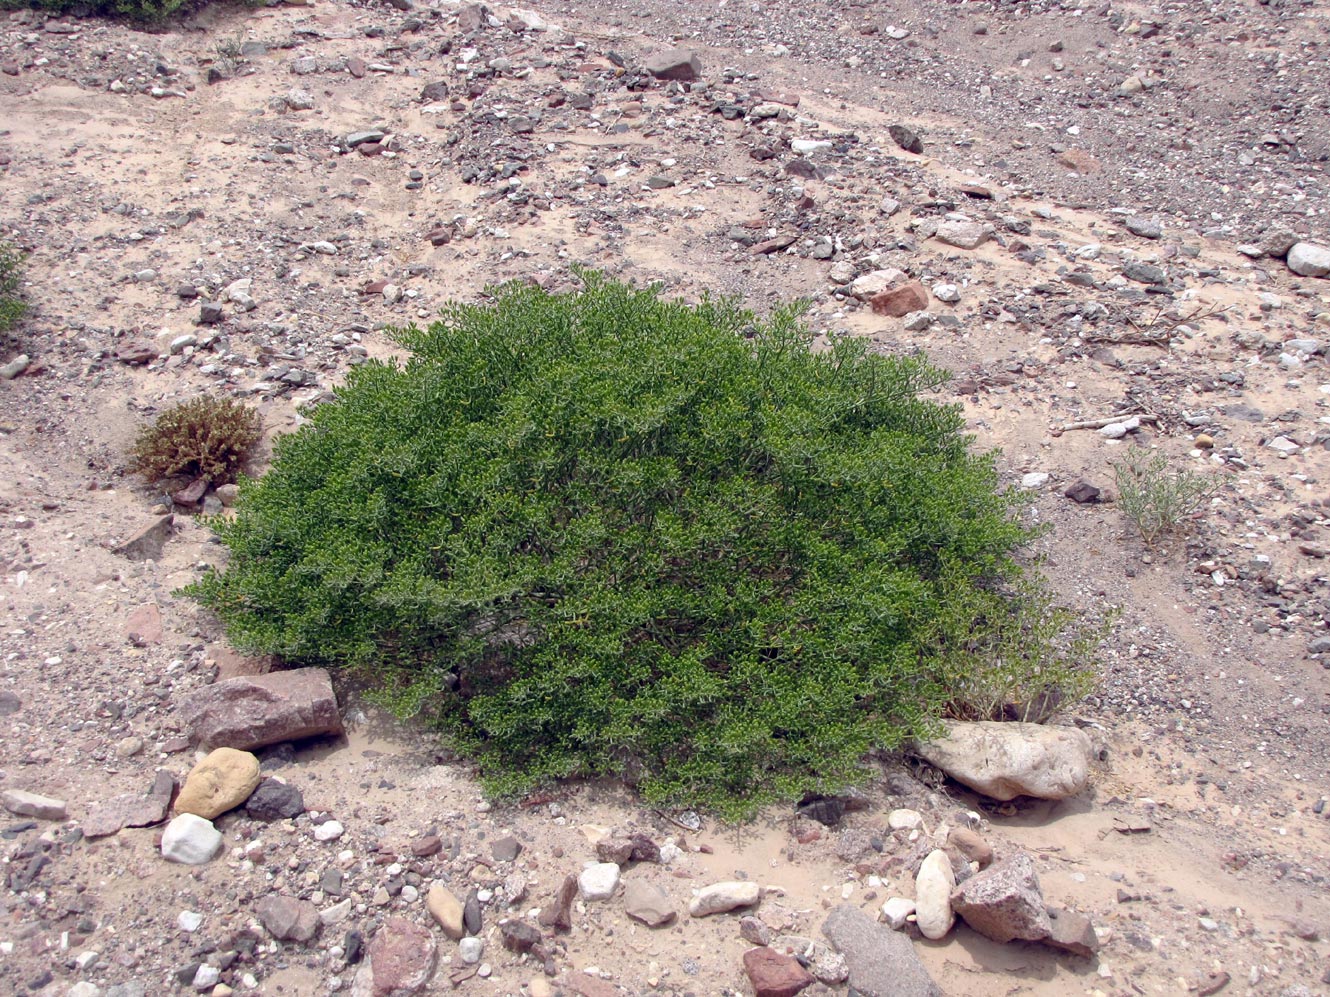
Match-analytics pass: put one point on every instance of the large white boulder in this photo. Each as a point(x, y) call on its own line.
point(1007, 760)
point(1309, 260)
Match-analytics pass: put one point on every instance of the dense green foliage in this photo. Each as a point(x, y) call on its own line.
point(204, 437)
point(143, 11)
point(602, 533)
point(12, 306)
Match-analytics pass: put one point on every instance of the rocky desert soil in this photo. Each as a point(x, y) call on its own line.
point(1096, 202)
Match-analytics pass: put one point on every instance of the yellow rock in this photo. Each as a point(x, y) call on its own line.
point(1204, 441)
point(446, 909)
point(221, 782)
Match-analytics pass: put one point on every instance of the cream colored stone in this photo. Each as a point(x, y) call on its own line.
point(221, 782)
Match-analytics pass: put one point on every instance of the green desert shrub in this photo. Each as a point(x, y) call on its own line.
point(142, 11)
point(205, 437)
point(12, 306)
point(1158, 499)
point(601, 533)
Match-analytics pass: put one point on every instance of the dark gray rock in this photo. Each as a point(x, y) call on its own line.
point(882, 962)
point(275, 800)
point(907, 138)
point(674, 64)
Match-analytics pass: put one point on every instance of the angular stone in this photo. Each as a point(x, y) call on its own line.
point(147, 543)
point(963, 234)
point(136, 352)
point(288, 919)
point(24, 804)
point(718, 898)
point(900, 301)
point(559, 913)
point(674, 64)
point(1004, 901)
point(275, 800)
point(598, 881)
point(906, 138)
point(882, 962)
point(131, 810)
point(232, 664)
point(1072, 932)
point(873, 283)
point(775, 975)
point(896, 912)
point(519, 936)
point(932, 895)
point(254, 711)
point(144, 625)
point(1007, 760)
point(648, 903)
point(1082, 492)
point(446, 909)
point(825, 963)
point(402, 959)
point(190, 840)
point(1309, 260)
point(220, 782)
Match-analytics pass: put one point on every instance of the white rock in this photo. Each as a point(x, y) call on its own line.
point(189, 920)
point(532, 20)
point(1117, 430)
point(1309, 260)
point(329, 830)
point(807, 146)
point(470, 949)
point(896, 911)
point(875, 282)
point(190, 840)
point(963, 234)
point(1006, 760)
point(905, 820)
point(721, 897)
point(948, 294)
point(84, 989)
point(1035, 479)
point(599, 880)
point(932, 895)
point(207, 977)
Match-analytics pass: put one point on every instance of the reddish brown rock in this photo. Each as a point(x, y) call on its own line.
point(1004, 902)
point(590, 986)
point(402, 959)
point(147, 543)
point(232, 664)
point(775, 975)
point(144, 625)
point(674, 64)
point(356, 67)
point(773, 244)
point(136, 352)
point(192, 493)
point(971, 845)
point(288, 919)
point(559, 913)
point(898, 301)
point(131, 810)
point(1078, 160)
point(1072, 932)
point(254, 711)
